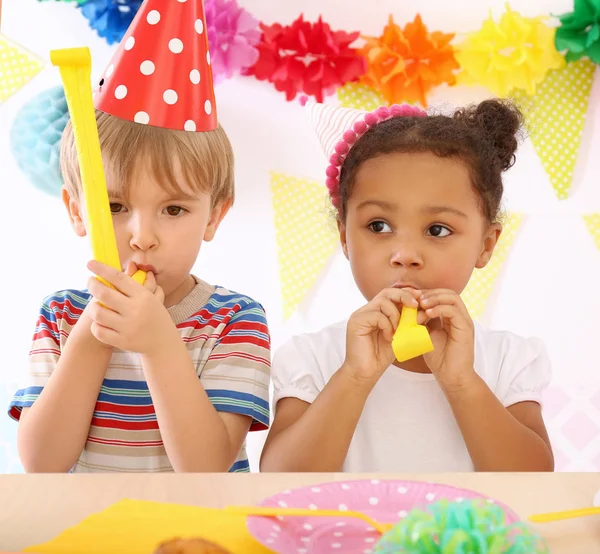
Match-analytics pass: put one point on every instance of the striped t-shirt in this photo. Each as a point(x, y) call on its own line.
point(228, 340)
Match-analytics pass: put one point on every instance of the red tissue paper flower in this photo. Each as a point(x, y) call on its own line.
point(307, 58)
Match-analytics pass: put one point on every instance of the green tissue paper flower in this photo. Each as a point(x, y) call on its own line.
point(468, 527)
point(579, 33)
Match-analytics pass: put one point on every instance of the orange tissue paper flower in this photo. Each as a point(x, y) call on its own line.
point(405, 64)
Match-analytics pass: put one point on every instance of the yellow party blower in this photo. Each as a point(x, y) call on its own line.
point(410, 339)
point(75, 66)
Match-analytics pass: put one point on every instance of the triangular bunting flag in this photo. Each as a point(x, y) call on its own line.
point(592, 222)
point(477, 292)
point(305, 236)
point(360, 97)
point(555, 117)
point(17, 67)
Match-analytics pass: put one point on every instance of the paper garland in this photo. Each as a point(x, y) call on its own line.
point(555, 118)
point(305, 235)
point(593, 224)
point(17, 67)
point(477, 292)
point(403, 62)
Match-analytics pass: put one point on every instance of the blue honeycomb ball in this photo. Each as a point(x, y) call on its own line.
point(35, 139)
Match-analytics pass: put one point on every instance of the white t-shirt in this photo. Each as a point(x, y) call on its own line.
point(407, 424)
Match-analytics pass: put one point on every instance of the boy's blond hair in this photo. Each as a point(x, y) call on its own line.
point(206, 159)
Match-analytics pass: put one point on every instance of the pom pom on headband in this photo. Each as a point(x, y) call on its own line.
point(352, 134)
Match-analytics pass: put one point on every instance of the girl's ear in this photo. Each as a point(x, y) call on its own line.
point(342, 230)
point(490, 240)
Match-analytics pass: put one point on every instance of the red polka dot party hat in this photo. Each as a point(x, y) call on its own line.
point(160, 74)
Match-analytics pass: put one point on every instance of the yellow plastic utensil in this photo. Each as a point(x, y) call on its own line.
point(383, 527)
point(568, 514)
point(75, 66)
point(303, 512)
point(410, 339)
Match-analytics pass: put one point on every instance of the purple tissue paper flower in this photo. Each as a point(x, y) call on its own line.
point(232, 34)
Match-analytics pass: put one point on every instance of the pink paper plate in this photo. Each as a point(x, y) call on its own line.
point(385, 501)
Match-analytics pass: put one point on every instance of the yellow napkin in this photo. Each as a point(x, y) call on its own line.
point(137, 527)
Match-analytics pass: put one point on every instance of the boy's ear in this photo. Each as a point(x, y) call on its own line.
point(216, 216)
point(75, 214)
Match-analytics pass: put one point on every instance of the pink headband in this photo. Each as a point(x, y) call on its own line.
point(359, 128)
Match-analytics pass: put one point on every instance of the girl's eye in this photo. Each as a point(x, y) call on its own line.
point(175, 210)
point(116, 208)
point(380, 227)
point(439, 231)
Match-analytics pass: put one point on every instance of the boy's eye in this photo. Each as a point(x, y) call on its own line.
point(439, 231)
point(175, 210)
point(379, 227)
point(116, 208)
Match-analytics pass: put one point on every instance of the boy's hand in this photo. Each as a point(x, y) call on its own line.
point(131, 316)
point(453, 335)
point(370, 332)
point(83, 328)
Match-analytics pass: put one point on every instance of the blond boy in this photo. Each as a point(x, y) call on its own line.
point(165, 376)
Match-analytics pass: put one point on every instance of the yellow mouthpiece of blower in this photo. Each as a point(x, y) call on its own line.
point(410, 339)
point(75, 66)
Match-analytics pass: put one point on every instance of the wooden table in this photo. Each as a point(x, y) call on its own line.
point(36, 508)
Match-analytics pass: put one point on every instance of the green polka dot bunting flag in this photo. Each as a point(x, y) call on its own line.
point(305, 238)
point(477, 292)
point(359, 97)
point(593, 224)
point(555, 117)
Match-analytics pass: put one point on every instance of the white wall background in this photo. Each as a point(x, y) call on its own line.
point(548, 287)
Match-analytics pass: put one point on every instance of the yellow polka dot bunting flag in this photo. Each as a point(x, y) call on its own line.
point(306, 238)
point(17, 67)
point(477, 292)
point(359, 97)
point(593, 224)
point(555, 117)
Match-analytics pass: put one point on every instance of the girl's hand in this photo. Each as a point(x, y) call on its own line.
point(370, 332)
point(453, 336)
